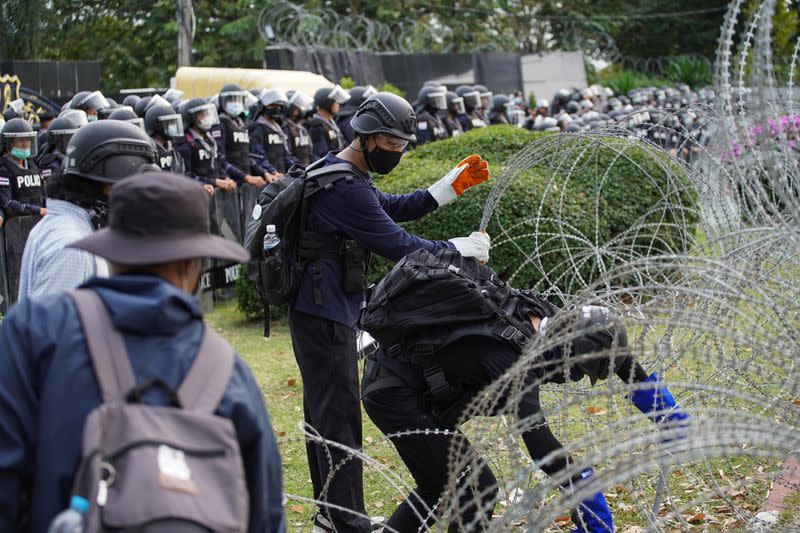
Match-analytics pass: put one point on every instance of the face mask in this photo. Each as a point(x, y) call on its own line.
point(206, 123)
point(91, 118)
point(382, 161)
point(234, 109)
point(19, 153)
point(172, 130)
point(273, 112)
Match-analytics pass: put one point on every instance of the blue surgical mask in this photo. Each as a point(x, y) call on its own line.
point(19, 153)
point(172, 130)
point(234, 109)
point(91, 118)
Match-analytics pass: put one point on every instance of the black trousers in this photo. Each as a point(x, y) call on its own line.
point(328, 359)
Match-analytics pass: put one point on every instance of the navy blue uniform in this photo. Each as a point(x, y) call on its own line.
point(270, 144)
point(48, 388)
point(323, 335)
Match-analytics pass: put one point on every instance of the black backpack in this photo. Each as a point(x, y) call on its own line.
point(428, 301)
point(283, 203)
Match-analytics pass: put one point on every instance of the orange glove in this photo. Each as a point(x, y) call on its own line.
point(470, 171)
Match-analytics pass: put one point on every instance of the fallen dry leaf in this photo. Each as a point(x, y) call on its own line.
point(280, 433)
point(297, 509)
point(291, 382)
point(594, 410)
point(796, 402)
point(696, 519)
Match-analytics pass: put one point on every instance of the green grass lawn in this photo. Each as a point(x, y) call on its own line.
point(275, 369)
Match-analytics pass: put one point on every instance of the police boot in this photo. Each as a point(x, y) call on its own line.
point(659, 405)
point(593, 514)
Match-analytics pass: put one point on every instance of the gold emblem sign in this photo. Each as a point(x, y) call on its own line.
point(10, 86)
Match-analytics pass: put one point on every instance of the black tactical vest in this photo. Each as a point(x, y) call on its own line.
point(26, 184)
point(237, 142)
point(50, 164)
point(299, 141)
point(205, 160)
point(435, 126)
point(168, 160)
point(274, 145)
point(453, 126)
point(331, 133)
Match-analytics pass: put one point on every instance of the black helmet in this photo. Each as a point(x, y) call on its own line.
point(131, 100)
point(191, 109)
point(17, 128)
point(64, 127)
point(486, 95)
point(126, 114)
point(359, 95)
point(141, 106)
point(177, 105)
point(232, 99)
point(172, 94)
point(108, 151)
point(455, 104)
point(105, 113)
point(386, 113)
point(472, 97)
point(572, 107)
point(86, 100)
point(500, 103)
point(433, 96)
point(163, 120)
point(324, 98)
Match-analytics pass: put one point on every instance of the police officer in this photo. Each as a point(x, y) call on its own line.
point(425, 396)
point(46, 116)
point(197, 147)
point(268, 141)
point(358, 95)
point(431, 100)
point(486, 102)
point(325, 134)
point(293, 126)
point(501, 105)
point(162, 124)
point(472, 101)
point(90, 103)
point(21, 187)
point(354, 216)
point(233, 138)
point(51, 158)
point(455, 107)
point(131, 100)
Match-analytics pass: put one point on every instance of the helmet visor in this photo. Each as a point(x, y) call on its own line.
point(95, 101)
point(171, 125)
point(369, 91)
point(438, 100)
point(339, 95)
point(60, 138)
point(472, 99)
point(172, 94)
point(205, 114)
point(302, 102)
point(273, 96)
point(22, 141)
point(138, 122)
point(486, 99)
point(457, 106)
point(154, 101)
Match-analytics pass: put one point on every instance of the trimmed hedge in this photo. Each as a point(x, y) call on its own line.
point(564, 226)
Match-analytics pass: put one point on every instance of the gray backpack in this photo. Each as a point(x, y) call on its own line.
point(149, 468)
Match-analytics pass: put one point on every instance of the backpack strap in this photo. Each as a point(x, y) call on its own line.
point(204, 386)
point(106, 347)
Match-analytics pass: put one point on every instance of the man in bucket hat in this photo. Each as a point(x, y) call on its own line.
point(157, 237)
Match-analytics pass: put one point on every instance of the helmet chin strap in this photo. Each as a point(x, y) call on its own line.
point(363, 142)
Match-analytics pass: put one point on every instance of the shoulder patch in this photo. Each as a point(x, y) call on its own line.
point(216, 134)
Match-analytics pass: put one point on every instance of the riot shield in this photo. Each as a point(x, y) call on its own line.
point(226, 221)
point(248, 196)
point(16, 231)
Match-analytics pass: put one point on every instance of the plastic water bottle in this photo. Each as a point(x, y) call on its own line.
point(71, 520)
point(271, 241)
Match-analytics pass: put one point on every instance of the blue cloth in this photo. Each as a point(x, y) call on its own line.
point(368, 216)
point(259, 132)
point(48, 388)
point(48, 266)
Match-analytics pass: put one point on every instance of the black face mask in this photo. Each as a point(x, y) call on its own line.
point(274, 113)
point(381, 161)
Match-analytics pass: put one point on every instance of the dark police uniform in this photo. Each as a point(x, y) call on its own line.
point(299, 141)
point(233, 142)
point(270, 145)
point(323, 319)
point(453, 126)
point(21, 188)
point(199, 155)
point(343, 121)
point(470, 121)
point(325, 137)
point(430, 127)
point(168, 159)
point(50, 163)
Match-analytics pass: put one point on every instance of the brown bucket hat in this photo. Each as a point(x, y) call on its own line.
point(159, 217)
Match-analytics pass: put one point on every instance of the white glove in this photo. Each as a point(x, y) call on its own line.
point(476, 245)
point(442, 191)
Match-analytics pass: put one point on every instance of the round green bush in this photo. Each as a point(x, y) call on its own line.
point(576, 207)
